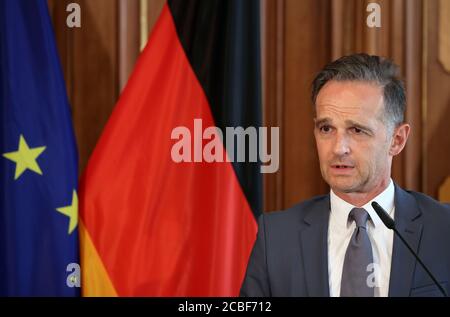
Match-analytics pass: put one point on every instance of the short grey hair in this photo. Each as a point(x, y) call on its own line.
point(368, 68)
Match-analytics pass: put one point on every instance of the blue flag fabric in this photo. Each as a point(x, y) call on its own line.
point(39, 253)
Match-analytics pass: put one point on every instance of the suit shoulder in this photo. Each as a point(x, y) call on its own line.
point(294, 212)
point(429, 205)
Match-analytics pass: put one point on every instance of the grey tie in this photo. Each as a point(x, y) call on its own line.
point(358, 256)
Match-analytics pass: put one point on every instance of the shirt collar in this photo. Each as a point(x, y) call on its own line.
point(341, 208)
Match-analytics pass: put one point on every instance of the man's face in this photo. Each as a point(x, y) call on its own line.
point(352, 140)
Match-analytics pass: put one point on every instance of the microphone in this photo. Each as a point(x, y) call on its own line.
point(390, 224)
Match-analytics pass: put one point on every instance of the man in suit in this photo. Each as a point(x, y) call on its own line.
point(336, 245)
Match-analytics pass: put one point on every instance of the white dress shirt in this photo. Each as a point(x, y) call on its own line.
point(340, 231)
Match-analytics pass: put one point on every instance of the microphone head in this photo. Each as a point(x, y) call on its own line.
point(387, 220)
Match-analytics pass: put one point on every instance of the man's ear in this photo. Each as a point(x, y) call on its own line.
point(399, 139)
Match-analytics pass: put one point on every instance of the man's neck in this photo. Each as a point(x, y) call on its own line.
point(359, 199)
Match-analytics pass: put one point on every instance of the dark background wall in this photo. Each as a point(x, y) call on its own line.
point(298, 37)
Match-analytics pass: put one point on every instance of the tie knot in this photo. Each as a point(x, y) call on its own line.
point(360, 216)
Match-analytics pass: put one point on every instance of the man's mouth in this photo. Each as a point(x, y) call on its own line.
point(341, 167)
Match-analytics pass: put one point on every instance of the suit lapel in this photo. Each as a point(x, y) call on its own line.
point(409, 224)
point(313, 237)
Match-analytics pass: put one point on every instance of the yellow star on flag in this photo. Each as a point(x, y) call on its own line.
point(25, 158)
point(71, 212)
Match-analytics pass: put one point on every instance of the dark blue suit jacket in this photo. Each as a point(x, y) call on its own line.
point(290, 255)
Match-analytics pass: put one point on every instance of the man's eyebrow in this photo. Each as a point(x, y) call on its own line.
point(350, 123)
point(321, 121)
point(358, 125)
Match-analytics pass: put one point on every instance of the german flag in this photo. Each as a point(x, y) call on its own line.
point(152, 225)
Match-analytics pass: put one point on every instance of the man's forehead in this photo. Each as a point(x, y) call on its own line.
point(347, 119)
point(347, 122)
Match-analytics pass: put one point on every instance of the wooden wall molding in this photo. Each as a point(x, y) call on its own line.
point(444, 191)
point(444, 37)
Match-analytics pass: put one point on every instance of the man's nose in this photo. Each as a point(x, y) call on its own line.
point(341, 145)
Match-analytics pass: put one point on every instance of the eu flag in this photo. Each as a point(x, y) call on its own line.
point(38, 159)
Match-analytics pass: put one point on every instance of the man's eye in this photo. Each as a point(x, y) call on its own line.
point(325, 128)
point(357, 130)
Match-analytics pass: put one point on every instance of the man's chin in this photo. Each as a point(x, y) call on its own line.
point(343, 187)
